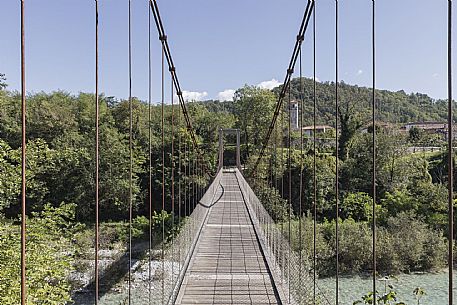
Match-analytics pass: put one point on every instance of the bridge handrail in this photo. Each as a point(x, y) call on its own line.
point(186, 241)
point(294, 280)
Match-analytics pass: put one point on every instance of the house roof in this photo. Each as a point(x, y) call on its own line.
point(317, 127)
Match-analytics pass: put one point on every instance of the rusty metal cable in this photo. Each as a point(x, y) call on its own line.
point(300, 207)
point(374, 145)
point(304, 25)
point(289, 168)
point(97, 159)
point(163, 169)
point(172, 179)
point(194, 184)
point(163, 37)
point(314, 162)
point(337, 208)
point(179, 179)
point(450, 159)
point(184, 163)
point(131, 153)
point(150, 157)
point(23, 162)
point(282, 186)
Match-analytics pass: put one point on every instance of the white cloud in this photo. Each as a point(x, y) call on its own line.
point(226, 95)
point(194, 95)
point(435, 75)
point(269, 84)
point(359, 72)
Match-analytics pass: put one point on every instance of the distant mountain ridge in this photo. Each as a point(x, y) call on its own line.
point(393, 107)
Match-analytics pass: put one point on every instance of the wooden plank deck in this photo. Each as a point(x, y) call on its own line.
point(228, 266)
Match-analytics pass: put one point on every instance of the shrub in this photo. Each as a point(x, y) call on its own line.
point(49, 257)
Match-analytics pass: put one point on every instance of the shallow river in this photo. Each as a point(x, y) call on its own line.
point(435, 285)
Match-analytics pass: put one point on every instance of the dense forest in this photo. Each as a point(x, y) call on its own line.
point(411, 192)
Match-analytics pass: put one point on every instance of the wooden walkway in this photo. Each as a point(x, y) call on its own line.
point(228, 266)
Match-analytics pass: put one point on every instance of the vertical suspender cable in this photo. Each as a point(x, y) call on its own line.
point(300, 208)
point(374, 145)
point(450, 157)
point(289, 165)
point(276, 158)
point(150, 156)
point(23, 164)
point(189, 181)
point(194, 162)
point(275, 185)
point(337, 210)
point(97, 160)
point(314, 160)
point(185, 176)
point(163, 169)
point(131, 155)
point(282, 186)
point(179, 179)
point(281, 134)
point(193, 181)
point(172, 178)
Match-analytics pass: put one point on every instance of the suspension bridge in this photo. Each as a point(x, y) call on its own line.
point(229, 250)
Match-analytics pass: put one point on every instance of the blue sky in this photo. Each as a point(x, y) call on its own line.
point(219, 46)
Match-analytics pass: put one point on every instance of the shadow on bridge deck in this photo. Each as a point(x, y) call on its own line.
point(228, 265)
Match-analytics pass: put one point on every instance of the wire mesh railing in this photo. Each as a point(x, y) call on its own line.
point(178, 252)
point(292, 274)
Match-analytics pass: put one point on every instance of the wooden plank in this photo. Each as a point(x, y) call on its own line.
point(228, 266)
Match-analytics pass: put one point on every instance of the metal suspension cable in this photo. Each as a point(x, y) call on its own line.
point(23, 163)
point(191, 189)
point(450, 158)
point(150, 157)
point(289, 166)
point(163, 37)
point(269, 174)
point(300, 208)
point(131, 153)
point(194, 181)
point(374, 144)
point(163, 171)
point(282, 185)
point(97, 160)
point(337, 210)
point(185, 177)
point(314, 161)
point(179, 179)
point(189, 182)
point(276, 180)
point(172, 179)
point(300, 38)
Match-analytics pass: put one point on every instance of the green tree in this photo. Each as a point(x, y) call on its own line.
point(3, 83)
point(253, 111)
point(416, 135)
point(49, 257)
point(357, 206)
point(350, 123)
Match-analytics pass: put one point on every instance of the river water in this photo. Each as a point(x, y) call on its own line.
point(353, 288)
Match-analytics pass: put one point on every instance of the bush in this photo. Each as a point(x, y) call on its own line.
point(277, 207)
point(413, 239)
point(49, 257)
point(354, 246)
point(405, 244)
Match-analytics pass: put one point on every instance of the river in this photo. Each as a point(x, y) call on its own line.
point(352, 288)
